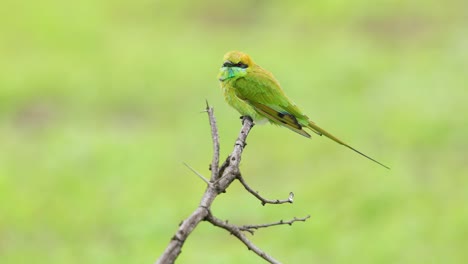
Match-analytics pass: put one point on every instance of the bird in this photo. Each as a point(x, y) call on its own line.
point(255, 92)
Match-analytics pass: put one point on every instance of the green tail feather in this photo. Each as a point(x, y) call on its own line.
point(312, 126)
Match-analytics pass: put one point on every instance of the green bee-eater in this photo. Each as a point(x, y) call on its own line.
point(254, 92)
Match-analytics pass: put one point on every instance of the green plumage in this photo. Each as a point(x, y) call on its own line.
point(254, 92)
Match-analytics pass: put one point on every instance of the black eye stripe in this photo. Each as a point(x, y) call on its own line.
point(239, 64)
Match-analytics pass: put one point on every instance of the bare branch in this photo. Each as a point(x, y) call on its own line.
point(215, 137)
point(264, 200)
point(235, 230)
point(230, 166)
point(221, 178)
point(230, 172)
point(196, 172)
point(250, 228)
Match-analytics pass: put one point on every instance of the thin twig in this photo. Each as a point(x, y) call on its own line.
point(235, 230)
point(197, 173)
point(250, 228)
point(215, 137)
point(264, 200)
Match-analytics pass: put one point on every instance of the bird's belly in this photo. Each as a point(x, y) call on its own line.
point(261, 121)
point(240, 105)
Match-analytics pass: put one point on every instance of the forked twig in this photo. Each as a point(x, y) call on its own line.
point(250, 228)
point(221, 178)
point(264, 200)
point(236, 231)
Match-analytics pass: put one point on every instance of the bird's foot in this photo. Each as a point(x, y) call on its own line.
point(243, 118)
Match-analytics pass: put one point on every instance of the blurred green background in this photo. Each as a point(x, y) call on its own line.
point(100, 104)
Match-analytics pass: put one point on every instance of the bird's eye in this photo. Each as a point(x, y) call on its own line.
point(241, 65)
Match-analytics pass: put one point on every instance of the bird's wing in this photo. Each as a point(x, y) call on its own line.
point(261, 90)
point(281, 118)
point(260, 86)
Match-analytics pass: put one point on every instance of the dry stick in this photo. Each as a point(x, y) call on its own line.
point(264, 200)
point(249, 228)
point(229, 174)
point(215, 137)
point(237, 232)
point(221, 178)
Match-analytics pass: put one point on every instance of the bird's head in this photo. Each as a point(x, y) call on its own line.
point(236, 64)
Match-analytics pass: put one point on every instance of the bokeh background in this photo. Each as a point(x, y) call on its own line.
point(100, 103)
